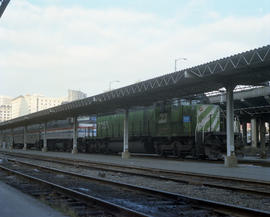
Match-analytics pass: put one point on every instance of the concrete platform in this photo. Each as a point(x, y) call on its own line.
point(255, 159)
point(14, 203)
point(245, 171)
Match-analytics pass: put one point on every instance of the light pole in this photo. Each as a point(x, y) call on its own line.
point(110, 84)
point(175, 62)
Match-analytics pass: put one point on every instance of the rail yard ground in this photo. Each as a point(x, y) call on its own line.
point(246, 186)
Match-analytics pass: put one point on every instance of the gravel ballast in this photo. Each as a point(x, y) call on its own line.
point(194, 190)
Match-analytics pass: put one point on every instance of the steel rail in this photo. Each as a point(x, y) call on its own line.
point(78, 194)
point(217, 206)
point(161, 176)
point(179, 180)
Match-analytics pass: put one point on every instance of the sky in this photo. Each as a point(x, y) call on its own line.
point(50, 46)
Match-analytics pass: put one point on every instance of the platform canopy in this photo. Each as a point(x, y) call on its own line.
point(249, 103)
point(247, 68)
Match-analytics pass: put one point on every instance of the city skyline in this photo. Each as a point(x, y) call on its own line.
point(13, 107)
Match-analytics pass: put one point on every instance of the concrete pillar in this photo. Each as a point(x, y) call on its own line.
point(244, 127)
point(254, 137)
point(24, 137)
point(262, 137)
point(268, 133)
point(75, 135)
point(258, 131)
point(230, 159)
point(125, 153)
point(11, 139)
point(44, 149)
point(1, 139)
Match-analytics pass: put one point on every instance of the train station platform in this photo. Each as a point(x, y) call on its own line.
point(14, 203)
point(254, 159)
point(244, 171)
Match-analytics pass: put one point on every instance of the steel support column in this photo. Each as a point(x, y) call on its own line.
point(230, 159)
point(244, 127)
point(11, 139)
point(125, 153)
point(268, 132)
point(24, 137)
point(262, 138)
point(254, 137)
point(258, 132)
point(44, 149)
point(75, 135)
point(1, 139)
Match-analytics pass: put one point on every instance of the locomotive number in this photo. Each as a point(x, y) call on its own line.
point(163, 118)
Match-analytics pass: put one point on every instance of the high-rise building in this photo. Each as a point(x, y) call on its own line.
point(23, 105)
point(5, 100)
point(5, 108)
point(75, 95)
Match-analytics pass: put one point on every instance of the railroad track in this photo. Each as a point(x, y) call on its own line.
point(67, 200)
point(131, 200)
point(229, 183)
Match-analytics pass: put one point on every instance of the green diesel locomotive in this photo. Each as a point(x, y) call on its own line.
point(172, 129)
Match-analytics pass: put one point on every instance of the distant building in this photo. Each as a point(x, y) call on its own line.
point(75, 95)
point(5, 100)
point(5, 108)
point(23, 105)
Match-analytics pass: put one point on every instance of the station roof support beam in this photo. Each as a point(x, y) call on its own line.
point(230, 159)
point(11, 139)
point(1, 139)
point(25, 138)
point(244, 132)
point(75, 135)
point(125, 153)
point(262, 137)
point(44, 149)
point(254, 137)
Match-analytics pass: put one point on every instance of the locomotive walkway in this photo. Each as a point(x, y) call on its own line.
point(243, 171)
